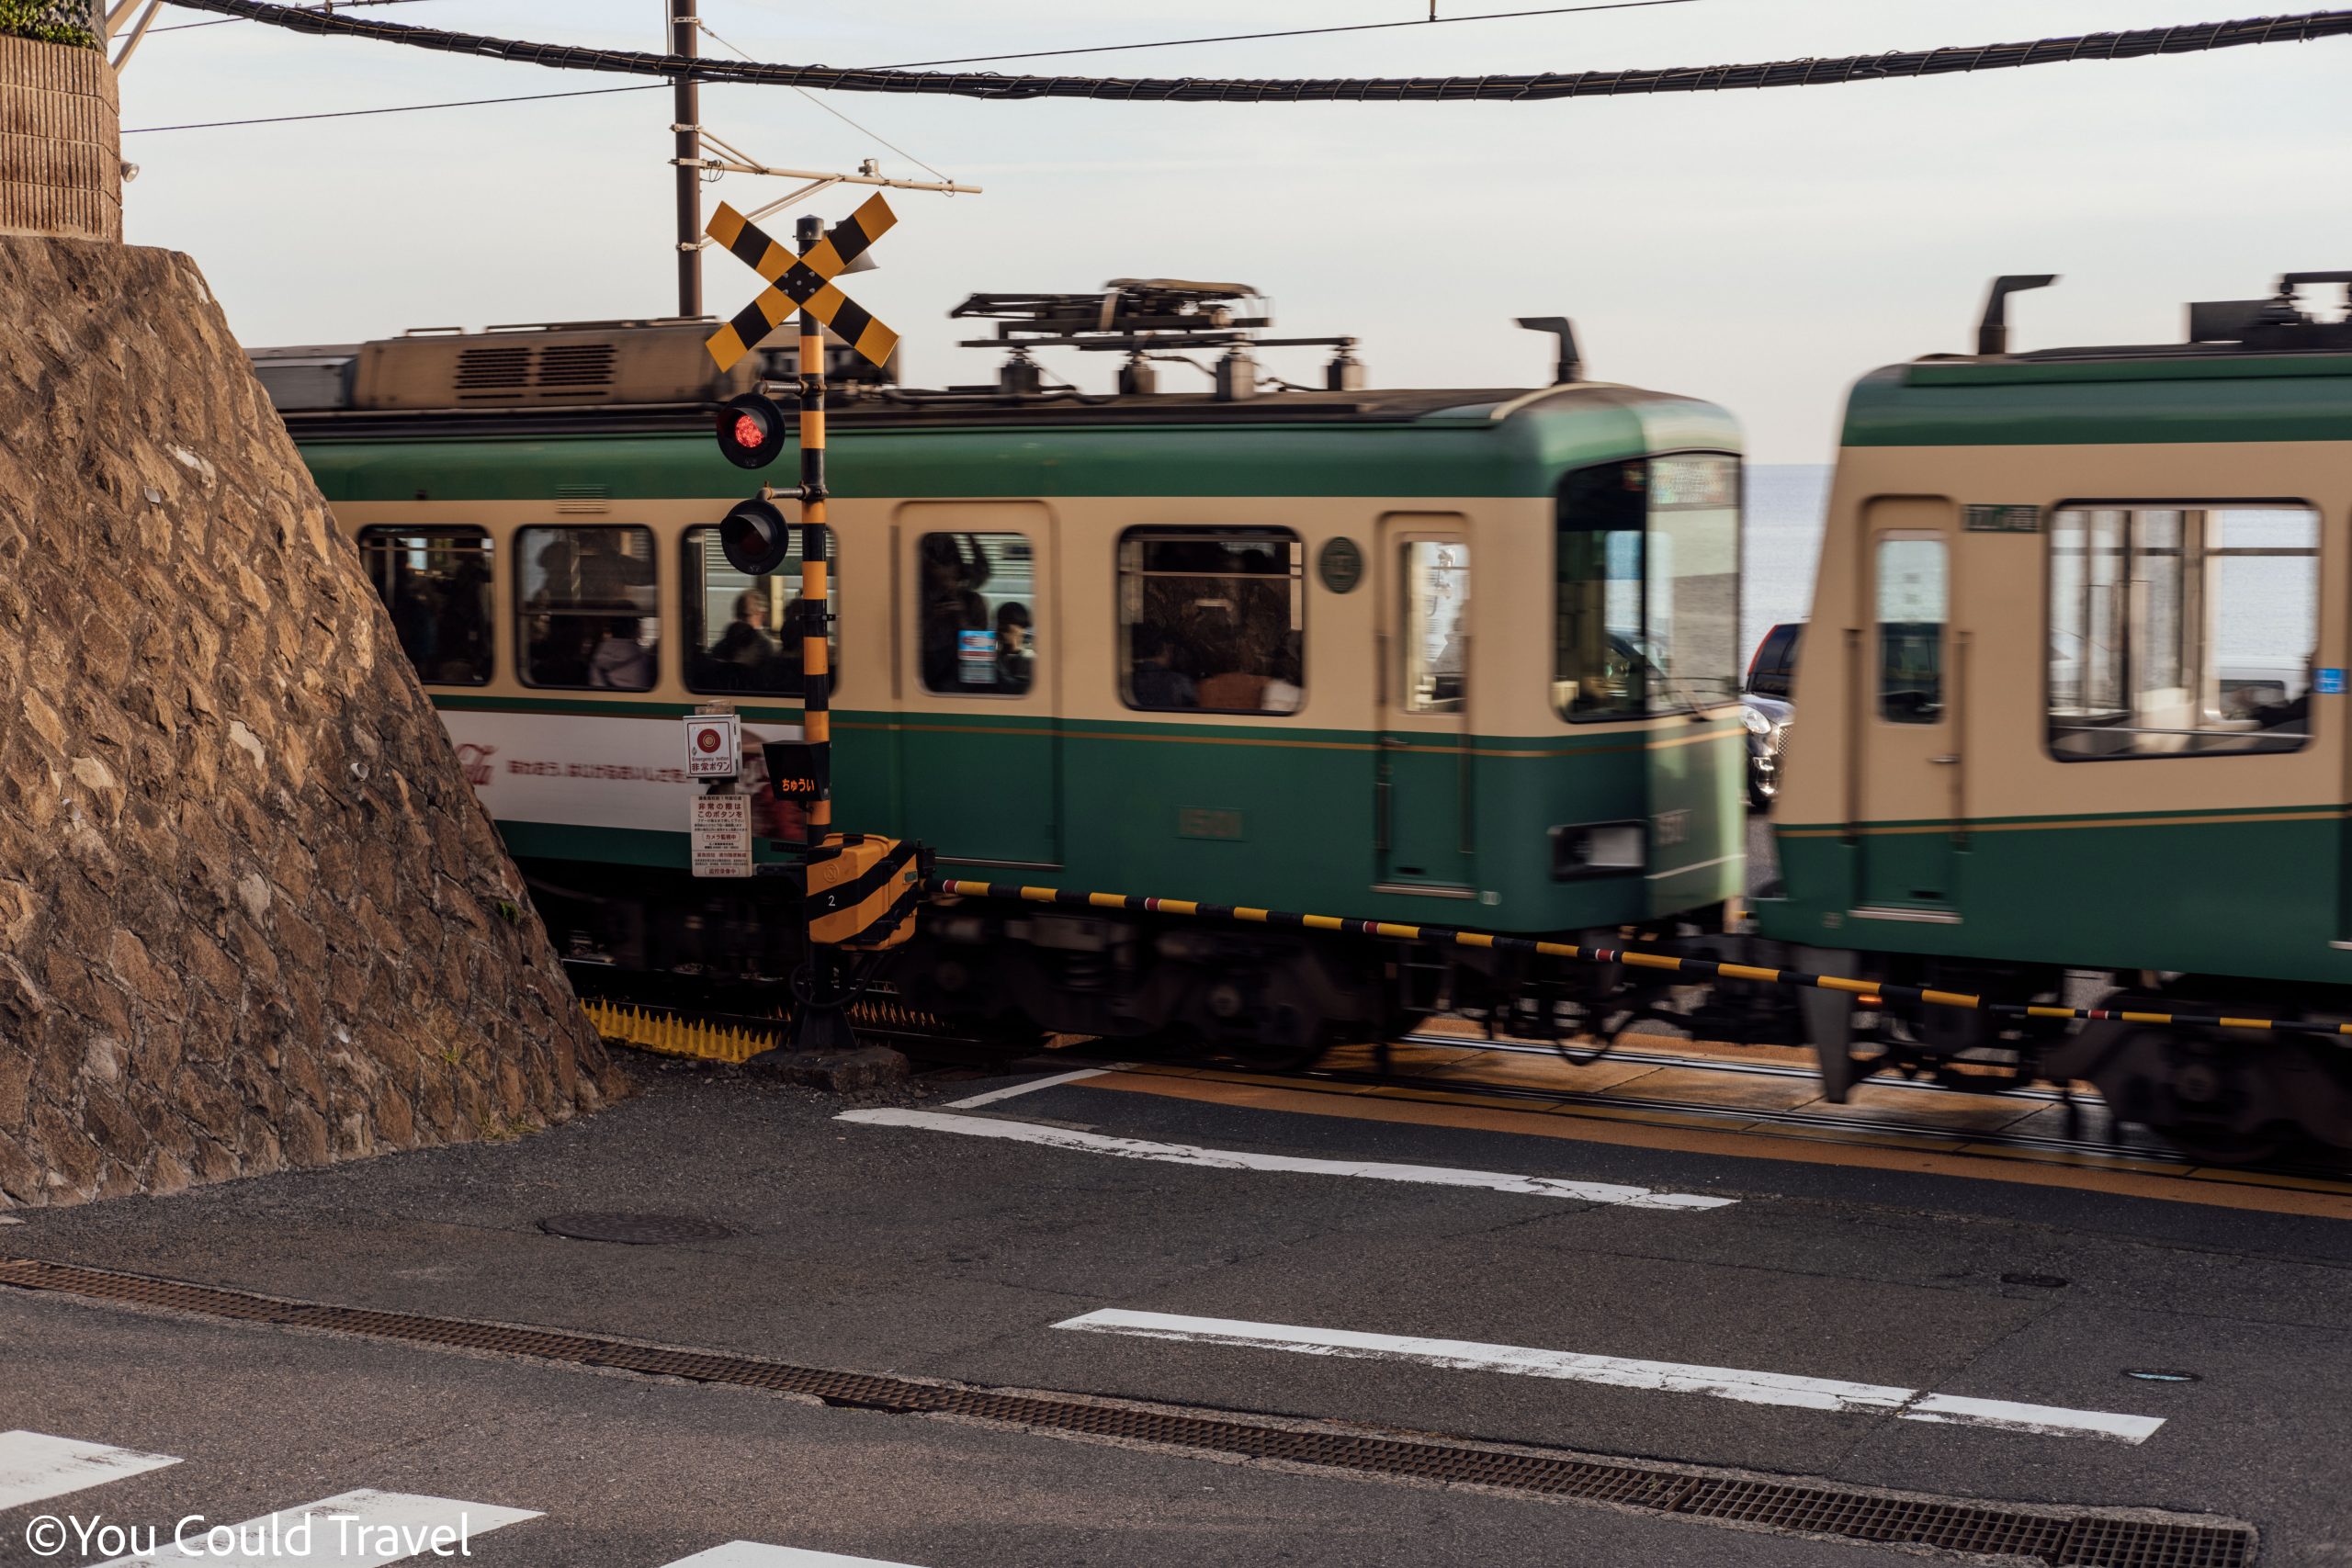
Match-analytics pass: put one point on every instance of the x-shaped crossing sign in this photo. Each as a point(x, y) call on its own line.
point(802, 283)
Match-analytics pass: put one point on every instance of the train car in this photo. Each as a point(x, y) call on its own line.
point(2073, 713)
point(1446, 656)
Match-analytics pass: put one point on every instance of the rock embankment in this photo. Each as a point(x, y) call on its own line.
point(251, 915)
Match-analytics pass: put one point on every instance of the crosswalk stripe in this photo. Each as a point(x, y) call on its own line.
point(1669, 1377)
point(353, 1529)
point(1031, 1086)
point(34, 1465)
point(752, 1555)
point(1236, 1159)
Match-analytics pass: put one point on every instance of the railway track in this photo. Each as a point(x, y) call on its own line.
point(1671, 1082)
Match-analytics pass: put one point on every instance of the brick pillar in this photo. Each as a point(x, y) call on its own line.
point(60, 148)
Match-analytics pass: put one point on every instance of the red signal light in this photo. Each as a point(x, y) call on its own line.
point(751, 431)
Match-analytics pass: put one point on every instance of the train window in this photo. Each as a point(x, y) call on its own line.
point(1913, 599)
point(1646, 598)
point(1437, 599)
point(586, 602)
point(1213, 619)
point(743, 633)
point(2182, 630)
point(435, 584)
point(978, 629)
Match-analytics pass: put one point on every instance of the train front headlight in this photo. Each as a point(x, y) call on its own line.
point(1598, 848)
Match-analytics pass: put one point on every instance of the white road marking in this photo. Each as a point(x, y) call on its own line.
point(752, 1555)
point(355, 1529)
point(1031, 1086)
point(1232, 1159)
point(1670, 1377)
point(34, 1465)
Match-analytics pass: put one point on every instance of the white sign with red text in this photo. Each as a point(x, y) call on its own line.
point(583, 769)
point(714, 746)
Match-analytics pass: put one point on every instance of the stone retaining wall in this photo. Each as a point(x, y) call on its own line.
point(61, 141)
point(251, 915)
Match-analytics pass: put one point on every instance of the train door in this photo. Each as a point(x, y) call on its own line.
point(979, 740)
point(1910, 731)
point(1422, 785)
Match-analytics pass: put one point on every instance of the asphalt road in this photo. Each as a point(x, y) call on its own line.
point(921, 1252)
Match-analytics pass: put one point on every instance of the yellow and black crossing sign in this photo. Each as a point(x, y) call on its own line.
point(802, 283)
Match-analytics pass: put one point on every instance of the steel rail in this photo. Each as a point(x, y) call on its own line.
point(2135, 43)
point(1632, 958)
point(1789, 1119)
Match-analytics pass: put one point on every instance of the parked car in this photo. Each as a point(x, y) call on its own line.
point(1767, 710)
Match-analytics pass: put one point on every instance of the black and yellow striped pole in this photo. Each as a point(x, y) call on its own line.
point(859, 892)
point(816, 674)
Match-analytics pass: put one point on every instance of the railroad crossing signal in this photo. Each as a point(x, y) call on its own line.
point(802, 283)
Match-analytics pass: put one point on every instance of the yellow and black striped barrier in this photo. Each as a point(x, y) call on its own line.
point(1871, 992)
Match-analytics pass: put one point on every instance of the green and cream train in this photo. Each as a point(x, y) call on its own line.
point(2070, 703)
point(2071, 706)
point(1456, 657)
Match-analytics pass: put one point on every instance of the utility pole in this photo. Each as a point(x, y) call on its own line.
point(685, 109)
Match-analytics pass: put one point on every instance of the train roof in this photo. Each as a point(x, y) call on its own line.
point(1403, 444)
point(893, 409)
point(2248, 370)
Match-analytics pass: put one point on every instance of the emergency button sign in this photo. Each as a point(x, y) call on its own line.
point(714, 746)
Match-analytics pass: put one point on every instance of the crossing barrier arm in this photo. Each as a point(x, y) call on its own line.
point(1632, 958)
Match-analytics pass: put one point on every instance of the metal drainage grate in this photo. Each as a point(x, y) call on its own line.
point(2061, 1536)
point(635, 1230)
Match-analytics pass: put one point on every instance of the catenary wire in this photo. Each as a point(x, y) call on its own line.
point(1288, 32)
point(713, 34)
point(224, 21)
point(395, 109)
point(2140, 42)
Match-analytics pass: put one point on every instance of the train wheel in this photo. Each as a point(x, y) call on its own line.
point(2213, 1097)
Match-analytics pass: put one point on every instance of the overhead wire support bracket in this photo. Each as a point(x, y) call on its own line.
point(732, 166)
point(739, 162)
point(138, 31)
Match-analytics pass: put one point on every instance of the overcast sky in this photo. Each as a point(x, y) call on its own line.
point(1759, 248)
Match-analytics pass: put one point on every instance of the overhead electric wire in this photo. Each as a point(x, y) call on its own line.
point(712, 33)
point(224, 21)
point(1288, 32)
point(2190, 37)
point(395, 109)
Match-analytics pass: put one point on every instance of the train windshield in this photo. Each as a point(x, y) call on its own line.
point(1646, 606)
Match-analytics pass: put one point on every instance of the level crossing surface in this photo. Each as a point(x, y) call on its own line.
point(1806, 1321)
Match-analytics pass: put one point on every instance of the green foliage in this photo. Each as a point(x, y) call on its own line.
point(49, 21)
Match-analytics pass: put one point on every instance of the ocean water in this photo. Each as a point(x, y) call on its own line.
point(1786, 505)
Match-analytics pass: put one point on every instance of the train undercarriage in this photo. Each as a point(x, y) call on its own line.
point(1276, 998)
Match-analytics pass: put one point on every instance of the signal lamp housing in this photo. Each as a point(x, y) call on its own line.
point(755, 539)
point(751, 431)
